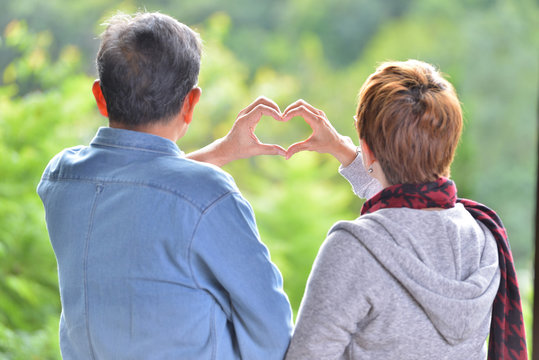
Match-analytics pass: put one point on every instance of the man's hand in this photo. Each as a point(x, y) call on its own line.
point(324, 139)
point(241, 141)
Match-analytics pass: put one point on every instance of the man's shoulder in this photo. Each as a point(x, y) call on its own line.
point(201, 182)
point(198, 182)
point(65, 156)
point(203, 174)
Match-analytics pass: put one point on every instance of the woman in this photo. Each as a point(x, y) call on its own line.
point(415, 276)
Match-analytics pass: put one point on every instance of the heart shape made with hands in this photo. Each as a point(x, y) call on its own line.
point(314, 118)
point(244, 143)
point(283, 133)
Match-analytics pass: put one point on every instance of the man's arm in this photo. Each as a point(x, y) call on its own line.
point(241, 141)
point(229, 261)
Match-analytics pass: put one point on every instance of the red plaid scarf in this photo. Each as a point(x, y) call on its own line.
point(507, 335)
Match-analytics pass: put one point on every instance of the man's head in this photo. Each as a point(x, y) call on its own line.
point(147, 65)
point(409, 116)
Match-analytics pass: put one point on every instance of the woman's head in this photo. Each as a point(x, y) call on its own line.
point(410, 118)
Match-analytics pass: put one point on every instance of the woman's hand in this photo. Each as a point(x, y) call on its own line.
point(324, 139)
point(241, 141)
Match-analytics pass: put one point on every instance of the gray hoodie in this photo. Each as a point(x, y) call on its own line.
point(399, 284)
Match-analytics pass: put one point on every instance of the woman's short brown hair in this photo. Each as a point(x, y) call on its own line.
point(410, 117)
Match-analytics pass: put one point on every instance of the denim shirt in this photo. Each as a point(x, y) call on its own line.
point(159, 256)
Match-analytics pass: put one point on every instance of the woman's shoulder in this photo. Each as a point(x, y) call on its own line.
point(364, 226)
point(428, 237)
point(351, 242)
point(396, 220)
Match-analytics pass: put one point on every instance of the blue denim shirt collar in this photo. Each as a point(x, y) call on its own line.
point(135, 140)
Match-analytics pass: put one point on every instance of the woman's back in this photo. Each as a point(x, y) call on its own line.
point(400, 284)
point(407, 280)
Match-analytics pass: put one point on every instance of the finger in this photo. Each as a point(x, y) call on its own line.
point(258, 111)
point(304, 103)
point(295, 104)
point(297, 147)
point(271, 149)
point(260, 100)
point(310, 117)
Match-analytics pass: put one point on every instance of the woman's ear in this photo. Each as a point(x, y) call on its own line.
point(189, 104)
point(368, 155)
point(99, 98)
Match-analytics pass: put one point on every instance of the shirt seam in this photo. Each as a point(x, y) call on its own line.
point(171, 152)
point(195, 229)
point(213, 336)
point(99, 188)
point(130, 182)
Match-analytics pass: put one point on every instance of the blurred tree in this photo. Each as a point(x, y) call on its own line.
point(321, 51)
point(32, 128)
point(288, 197)
point(489, 53)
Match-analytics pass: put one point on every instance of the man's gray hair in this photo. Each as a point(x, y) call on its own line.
point(147, 64)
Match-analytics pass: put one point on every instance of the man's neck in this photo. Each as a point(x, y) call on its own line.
point(168, 130)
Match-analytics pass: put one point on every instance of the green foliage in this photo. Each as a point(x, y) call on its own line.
point(32, 128)
point(42, 344)
point(321, 52)
point(296, 203)
point(495, 73)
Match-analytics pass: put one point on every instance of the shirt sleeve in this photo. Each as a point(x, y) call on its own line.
point(229, 260)
point(335, 300)
point(362, 183)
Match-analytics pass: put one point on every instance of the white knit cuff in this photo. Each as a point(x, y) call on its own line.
point(362, 183)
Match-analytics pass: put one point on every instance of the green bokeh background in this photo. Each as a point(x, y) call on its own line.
point(321, 51)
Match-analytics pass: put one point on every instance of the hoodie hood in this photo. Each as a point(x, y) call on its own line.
point(453, 279)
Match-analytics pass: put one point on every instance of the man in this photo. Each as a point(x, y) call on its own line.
point(158, 254)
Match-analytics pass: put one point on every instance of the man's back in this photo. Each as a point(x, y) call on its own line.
point(158, 256)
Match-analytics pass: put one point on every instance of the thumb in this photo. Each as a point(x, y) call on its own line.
point(267, 149)
point(295, 148)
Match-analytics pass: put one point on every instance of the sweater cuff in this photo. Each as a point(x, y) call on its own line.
point(362, 183)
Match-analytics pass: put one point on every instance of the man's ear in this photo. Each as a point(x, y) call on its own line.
point(99, 98)
point(189, 104)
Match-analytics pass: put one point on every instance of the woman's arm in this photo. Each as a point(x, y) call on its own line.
point(363, 185)
point(241, 142)
point(325, 139)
